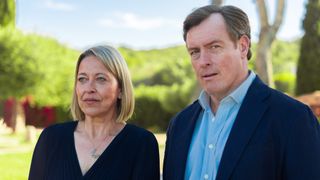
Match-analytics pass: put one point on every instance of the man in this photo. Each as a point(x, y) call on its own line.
point(239, 128)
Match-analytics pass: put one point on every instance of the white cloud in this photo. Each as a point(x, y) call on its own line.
point(59, 6)
point(133, 21)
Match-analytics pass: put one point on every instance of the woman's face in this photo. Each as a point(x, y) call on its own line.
point(96, 88)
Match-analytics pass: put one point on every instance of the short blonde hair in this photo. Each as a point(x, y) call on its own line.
point(115, 64)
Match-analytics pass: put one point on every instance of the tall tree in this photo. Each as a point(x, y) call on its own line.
point(7, 12)
point(308, 78)
point(267, 35)
point(217, 2)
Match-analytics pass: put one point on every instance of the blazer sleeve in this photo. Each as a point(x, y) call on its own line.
point(38, 163)
point(147, 166)
point(302, 159)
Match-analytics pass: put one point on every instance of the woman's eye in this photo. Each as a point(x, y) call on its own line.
point(101, 79)
point(81, 79)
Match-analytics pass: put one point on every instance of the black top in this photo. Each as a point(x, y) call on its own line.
point(133, 154)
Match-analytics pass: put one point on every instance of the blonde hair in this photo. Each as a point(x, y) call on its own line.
point(115, 63)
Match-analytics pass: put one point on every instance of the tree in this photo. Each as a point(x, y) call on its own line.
point(217, 2)
point(267, 35)
point(7, 12)
point(19, 70)
point(308, 79)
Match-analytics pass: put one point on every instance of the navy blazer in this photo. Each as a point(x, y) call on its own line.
point(273, 137)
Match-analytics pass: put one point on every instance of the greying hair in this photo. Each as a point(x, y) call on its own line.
point(117, 66)
point(236, 20)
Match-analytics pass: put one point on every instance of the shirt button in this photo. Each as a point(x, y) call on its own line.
point(210, 146)
point(206, 176)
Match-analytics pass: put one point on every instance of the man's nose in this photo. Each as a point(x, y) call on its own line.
point(205, 58)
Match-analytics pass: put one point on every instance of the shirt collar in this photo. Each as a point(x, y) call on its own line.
point(237, 95)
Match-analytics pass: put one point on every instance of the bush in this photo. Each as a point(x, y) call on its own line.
point(150, 114)
point(285, 82)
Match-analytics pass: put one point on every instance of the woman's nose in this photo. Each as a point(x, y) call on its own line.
point(90, 87)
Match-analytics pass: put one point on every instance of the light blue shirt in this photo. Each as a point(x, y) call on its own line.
point(212, 131)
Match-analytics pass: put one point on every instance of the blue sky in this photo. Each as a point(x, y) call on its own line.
point(139, 24)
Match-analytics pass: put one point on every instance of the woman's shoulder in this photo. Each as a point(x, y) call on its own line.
point(131, 128)
point(136, 132)
point(56, 134)
point(62, 126)
point(59, 128)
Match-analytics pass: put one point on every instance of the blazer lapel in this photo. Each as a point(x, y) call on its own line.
point(183, 139)
point(249, 115)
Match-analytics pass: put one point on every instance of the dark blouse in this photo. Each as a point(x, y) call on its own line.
point(132, 155)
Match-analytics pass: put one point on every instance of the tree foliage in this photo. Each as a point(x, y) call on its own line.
point(7, 13)
point(284, 59)
point(37, 66)
point(308, 78)
point(163, 81)
point(19, 67)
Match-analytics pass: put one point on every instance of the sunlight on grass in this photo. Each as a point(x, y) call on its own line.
point(161, 138)
point(15, 166)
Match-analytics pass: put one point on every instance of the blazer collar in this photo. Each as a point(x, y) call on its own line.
point(186, 125)
point(249, 115)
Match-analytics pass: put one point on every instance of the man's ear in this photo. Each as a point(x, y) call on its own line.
point(244, 44)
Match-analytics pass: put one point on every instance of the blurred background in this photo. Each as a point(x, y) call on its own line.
point(40, 41)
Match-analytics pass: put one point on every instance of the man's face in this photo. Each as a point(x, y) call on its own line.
point(219, 63)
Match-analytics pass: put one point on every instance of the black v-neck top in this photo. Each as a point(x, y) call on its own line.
point(132, 155)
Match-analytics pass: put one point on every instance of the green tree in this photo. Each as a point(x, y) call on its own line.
point(308, 78)
point(19, 69)
point(7, 12)
point(37, 66)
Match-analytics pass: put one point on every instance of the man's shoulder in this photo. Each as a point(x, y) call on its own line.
point(281, 99)
point(274, 97)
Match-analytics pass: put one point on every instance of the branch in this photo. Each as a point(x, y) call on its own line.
point(216, 2)
point(263, 16)
point(279, 15)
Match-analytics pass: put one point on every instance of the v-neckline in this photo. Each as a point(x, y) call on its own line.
point(103, 154)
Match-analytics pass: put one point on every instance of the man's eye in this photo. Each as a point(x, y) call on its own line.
point(215, 46)
point(194, 54)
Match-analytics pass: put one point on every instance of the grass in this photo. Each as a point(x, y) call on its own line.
point(16, 154)
point(15, 165)
point(161, 140)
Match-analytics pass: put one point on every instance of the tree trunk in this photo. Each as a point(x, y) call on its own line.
point(266, 37)
point(216, 2)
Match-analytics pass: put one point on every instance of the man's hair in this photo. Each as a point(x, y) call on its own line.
point(236, 21)
point(115, 63)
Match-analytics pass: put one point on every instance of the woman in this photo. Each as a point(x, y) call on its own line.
point(99, 145)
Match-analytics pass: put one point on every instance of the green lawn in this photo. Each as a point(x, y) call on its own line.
point(15, 166)
point(15, 155)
